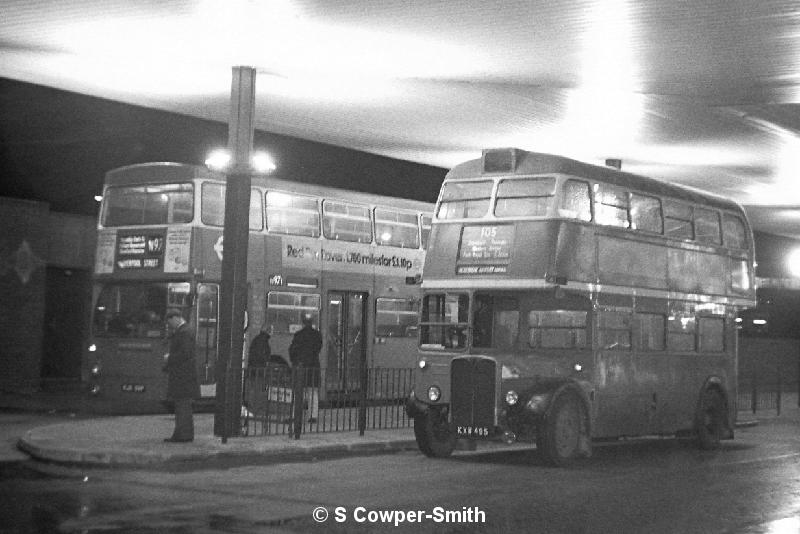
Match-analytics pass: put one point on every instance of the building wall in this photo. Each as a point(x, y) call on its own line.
point(23, 253)
point(31, 239)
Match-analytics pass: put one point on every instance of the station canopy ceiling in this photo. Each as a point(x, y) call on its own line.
point(702, 93)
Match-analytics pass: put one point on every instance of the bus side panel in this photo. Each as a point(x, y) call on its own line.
point(695, 271)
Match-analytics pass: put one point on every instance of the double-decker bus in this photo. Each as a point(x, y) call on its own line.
point(565, 302)
point(351, 260)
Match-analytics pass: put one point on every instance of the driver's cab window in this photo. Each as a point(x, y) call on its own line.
point(495, 322)
point(444, 321)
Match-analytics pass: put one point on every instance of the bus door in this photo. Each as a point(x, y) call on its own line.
point(347, 348)
point(207, 325)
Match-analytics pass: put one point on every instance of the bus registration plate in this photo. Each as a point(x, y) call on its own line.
point(472, 431)
point(133, 388)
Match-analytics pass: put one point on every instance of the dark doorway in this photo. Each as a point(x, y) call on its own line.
point(347, 349)
point(66, 320)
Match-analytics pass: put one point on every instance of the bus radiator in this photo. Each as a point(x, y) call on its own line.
point(473, 396)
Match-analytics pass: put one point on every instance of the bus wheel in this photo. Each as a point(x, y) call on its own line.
point(710, 420)
point(434, 437)
point(563, 436)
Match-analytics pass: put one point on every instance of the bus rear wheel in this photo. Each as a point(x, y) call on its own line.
point(710, 420)
point(563, 436)
point(434, 437)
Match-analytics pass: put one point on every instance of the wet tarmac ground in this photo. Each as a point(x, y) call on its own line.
point(751, 485)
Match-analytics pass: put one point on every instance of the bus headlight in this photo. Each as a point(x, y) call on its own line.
point(434, 393)
point(96, 370)
point(94, 390)
point(511, 397)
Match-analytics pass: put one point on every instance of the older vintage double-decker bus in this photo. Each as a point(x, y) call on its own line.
point(351, 260)
point(565, 302)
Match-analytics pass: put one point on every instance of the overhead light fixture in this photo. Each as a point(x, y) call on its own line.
point(220, 160)
point(793, 263)
point(98, 198)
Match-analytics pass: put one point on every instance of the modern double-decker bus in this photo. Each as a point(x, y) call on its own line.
point(351, 260)
point(565, 302)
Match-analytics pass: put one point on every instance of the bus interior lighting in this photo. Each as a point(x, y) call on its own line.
point(578, 367)
point(94, 390)
point(759, 321)
point(92, 347)
point(96, 369)
point(98, 198)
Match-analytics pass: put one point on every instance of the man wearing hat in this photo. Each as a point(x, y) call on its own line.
point(182, 383)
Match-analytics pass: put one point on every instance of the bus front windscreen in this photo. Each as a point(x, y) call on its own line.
point(148, 204)
point(137, 309)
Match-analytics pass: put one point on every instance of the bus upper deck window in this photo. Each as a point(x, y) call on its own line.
point(396, 228)
point(646, 214)
point(734, 232)
point(706, 226)
point(292, 214)
point(611, 205)
point(527, 197)
point(468, 200)
point(576, 201)
point(346, 222)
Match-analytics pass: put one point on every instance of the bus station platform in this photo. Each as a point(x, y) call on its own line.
point(137, 442)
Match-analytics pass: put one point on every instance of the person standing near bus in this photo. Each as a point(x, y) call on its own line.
point(182, 383)
point(304, 354)
point(259, 353)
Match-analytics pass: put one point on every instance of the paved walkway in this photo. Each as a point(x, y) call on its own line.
point(137, 441)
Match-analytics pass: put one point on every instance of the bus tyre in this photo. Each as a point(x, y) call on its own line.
point(434, 437)
point(563, 436)
point(710, 420)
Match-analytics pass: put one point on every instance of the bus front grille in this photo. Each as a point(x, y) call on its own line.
point(473, 396)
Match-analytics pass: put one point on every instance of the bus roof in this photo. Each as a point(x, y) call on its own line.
point(522, 162)
point(170, 172)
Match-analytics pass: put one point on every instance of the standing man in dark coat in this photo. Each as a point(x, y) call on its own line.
point(259, 353)
point(182, 383)
point(304, 354)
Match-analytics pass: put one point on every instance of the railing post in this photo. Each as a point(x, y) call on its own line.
point(362, 400)
point(754, 391)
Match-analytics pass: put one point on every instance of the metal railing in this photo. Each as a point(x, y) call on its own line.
point(293, 401)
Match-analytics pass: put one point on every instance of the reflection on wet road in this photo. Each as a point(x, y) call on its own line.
point(751, 485)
